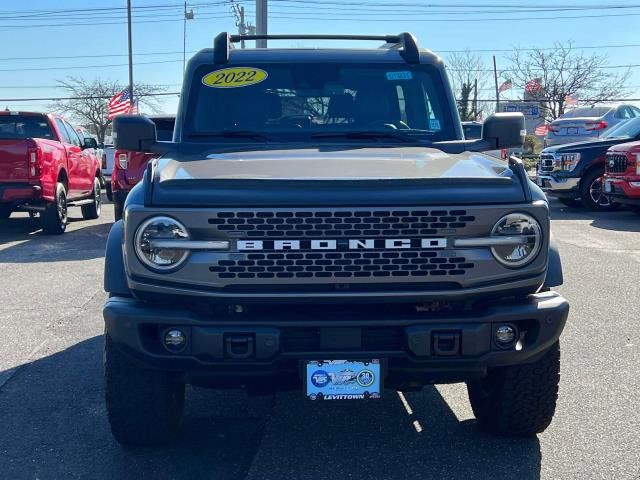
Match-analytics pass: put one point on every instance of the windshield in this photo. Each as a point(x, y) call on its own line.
point(627, 129)
point(286, 100)
point(586, 112)
point(25, 126)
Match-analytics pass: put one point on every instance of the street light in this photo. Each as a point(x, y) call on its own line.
point(188, 15)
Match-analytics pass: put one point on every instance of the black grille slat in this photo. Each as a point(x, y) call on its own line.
point(616, 163)
point(331, 264)
point(401, 223)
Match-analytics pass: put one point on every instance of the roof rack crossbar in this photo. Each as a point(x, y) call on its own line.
point(405, 41)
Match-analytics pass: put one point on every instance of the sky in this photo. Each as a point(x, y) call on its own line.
point(34, 34)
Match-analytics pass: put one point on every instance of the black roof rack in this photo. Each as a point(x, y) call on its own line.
point(404, 41)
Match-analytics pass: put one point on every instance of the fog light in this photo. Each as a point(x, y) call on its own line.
point(175, 340)
point(505, 335)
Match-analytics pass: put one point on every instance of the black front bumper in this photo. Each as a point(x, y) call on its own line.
point(415, 348)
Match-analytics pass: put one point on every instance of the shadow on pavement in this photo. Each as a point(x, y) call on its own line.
point(54, 426)
point(621, 220)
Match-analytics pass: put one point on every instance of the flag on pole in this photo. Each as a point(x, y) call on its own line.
point(541, 129)
point(120, 103)
point(533, 85)
point(506, 85)
point(569, 100)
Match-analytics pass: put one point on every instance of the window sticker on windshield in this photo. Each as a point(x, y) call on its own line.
point(234, 77)
point(404, 75)
point(434, 124)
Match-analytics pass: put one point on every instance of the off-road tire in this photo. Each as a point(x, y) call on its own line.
point(91, 211)
point(570, 202)
point(518, 400)
point(144, 407)
point(586, 196)
point(54, 217)
point(5, 212)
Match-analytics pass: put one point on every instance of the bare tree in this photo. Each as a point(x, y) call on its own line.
point(88, 102)
point(565, 72)
point(468, 74)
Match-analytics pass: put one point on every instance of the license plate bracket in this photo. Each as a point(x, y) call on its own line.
point(343, 379)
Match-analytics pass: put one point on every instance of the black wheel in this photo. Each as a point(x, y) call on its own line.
point(54, 217)
point(117, 209)
point(592, 194)
point(518, 400)
point(91, 210)
point(144, 407)
point(107, 188)
point(570, 202)
point(5, 212)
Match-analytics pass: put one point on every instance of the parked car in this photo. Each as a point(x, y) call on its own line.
point(128, 167)
point(622, 175)
point(587, 123)
point(573, 172)
point(45, 167)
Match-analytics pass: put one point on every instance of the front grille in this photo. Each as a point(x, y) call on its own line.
point(325, 223)
point(357, 264)
point(616, 163)
point(546, 163)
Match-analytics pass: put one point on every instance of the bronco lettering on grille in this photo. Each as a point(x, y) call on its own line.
point(343, 244)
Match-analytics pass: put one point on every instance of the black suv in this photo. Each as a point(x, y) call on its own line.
point(319, 222)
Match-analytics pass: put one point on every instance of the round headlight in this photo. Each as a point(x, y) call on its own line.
point(522, 239)
point(155, 242)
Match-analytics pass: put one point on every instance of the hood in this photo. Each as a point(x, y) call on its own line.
point(314, 173)
point(627, 147)
point(584, 146)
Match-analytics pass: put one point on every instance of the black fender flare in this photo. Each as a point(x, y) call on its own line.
point(115, 278)
point(554, 275)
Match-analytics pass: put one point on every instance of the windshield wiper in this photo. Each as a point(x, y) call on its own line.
point(231, 134)
point(370, 134)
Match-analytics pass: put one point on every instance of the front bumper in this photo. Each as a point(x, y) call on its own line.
point(623, 190)
point(557, 185)
point(415, 348)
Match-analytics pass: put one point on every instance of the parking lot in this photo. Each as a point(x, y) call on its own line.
point(53, 416)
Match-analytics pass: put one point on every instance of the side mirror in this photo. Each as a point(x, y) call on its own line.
point(134, 133)
point(89, 142)
point(504, 130)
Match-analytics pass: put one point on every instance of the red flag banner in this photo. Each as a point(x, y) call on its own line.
point(533, 86)
point(541, 129)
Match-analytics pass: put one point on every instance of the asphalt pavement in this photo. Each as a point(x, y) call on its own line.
point(53, 423)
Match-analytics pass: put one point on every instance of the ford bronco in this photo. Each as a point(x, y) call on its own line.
point(320, 223)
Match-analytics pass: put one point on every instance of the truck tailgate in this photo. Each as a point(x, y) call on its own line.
point(13, 159)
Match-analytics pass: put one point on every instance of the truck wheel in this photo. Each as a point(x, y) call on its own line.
point(570, 202)
point(107, 187)
point(54, 217)
point(518, 400)
point(592, 194)
point(5, 212)
point(91, 210)
point(144, 407)
point(117, 209)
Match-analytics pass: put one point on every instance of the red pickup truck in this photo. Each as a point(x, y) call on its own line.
point(622, 175)
point(128, 167)
point(45, 167)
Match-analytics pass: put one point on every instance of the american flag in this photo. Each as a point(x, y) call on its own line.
point(505, 86)
point(569, 100)
point(120, 103)
point(541, 129)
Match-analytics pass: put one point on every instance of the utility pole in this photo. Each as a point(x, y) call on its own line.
point(188, 15)
point(130, 56)
point(261, 22)
point(475, 99)
point(495, 78)
point(244, 28)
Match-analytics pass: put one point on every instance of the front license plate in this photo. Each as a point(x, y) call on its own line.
point(607, 187)
point(343, 379)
